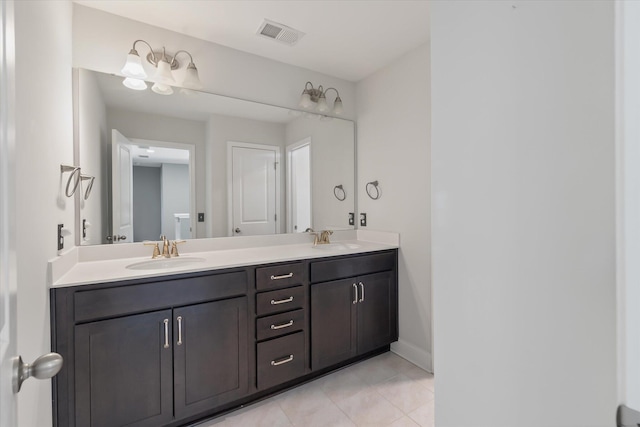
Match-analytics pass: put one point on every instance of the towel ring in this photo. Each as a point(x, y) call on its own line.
point(339, 192)
point(91, 179)
point(75, 171)
point(373, 184)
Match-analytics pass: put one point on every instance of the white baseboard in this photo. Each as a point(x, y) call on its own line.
point(413, 354)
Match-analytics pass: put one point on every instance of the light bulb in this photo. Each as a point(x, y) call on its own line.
point(322, 104)
point(191, 79)
point(164, 75)
point(337, 107)
point(135, 84)
point(162, 89)
point(133, 67)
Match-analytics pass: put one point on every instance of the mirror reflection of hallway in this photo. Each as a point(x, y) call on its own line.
point(152, 177)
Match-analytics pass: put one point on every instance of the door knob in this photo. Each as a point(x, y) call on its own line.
point(44, 367)
point(237, 230)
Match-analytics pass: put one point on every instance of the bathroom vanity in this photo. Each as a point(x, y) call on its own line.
point(174, 348)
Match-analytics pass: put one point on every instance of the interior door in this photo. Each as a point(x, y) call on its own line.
point(299, 186)
point(253, 190)
point(121, 188)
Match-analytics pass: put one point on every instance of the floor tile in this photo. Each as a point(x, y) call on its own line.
point(368, 408)
point(373, 371)
point(341, 385)
point(303, 401)
point(421, 376)
point(424, 415)
point(404, 422)
point(405, 393)
point(329, 415)
point(267, 414)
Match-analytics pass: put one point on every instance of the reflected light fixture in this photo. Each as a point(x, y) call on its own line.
point(163, 78)
point(316, 99)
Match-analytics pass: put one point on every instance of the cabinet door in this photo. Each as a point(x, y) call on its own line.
point(210, 353)
point(333, 333)
point(377, 311)
point(124, 371)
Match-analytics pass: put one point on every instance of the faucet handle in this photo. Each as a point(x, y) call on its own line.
point(174, 247)
point(156, 249)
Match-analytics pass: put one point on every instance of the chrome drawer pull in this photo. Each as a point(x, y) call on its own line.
point(362, 290)
point(166, 333)
point(284, 325)
point(283, 361)
point(281, 301)
point(284, 276)
point(179, 330)
point(355, 299)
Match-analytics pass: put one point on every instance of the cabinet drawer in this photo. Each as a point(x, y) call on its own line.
point(280, 300)
point(280, 360)
point(278, 276)
point(279, 324)
point(121, 300)
point(323, 271)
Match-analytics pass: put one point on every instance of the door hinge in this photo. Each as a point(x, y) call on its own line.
point(275, 165)
point(275, 217)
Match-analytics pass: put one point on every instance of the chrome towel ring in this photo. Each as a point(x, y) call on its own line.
point(75, 172)
point(374, 185)
point(339, 192)
point(91, 179)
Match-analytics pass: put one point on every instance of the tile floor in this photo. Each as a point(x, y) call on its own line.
point(385, 390)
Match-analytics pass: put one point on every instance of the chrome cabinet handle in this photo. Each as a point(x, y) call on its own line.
point(284, 325)
point(355, 299)
point(284, 276)
point(166, 333)
point(362, 291)
point(282, 361)
point(179, 319)
point(281, 301)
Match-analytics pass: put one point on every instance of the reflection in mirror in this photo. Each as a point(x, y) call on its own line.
point(195, 164)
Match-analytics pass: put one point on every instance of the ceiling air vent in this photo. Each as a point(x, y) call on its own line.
point(282, 33)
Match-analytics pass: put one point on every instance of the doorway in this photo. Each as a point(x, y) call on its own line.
point(299, 209)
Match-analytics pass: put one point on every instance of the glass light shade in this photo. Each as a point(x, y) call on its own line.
point(164, 76)
point(188, 92)
point(162, 89)
point(305, 100)
point(191, 79)
point(322, 104)
point(133, 67)
point(337, 107)
point(135, 84)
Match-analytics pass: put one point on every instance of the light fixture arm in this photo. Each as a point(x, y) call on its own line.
point(180, 51)
point(334, 89)
point(135, 52)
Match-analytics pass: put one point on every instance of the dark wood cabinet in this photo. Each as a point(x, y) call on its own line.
point(168, 351)
point(210, 355)
point(124, 371)
point(353, 316)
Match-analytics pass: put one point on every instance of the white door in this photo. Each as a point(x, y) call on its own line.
point(299, 186)
point(253, 189)
point(122, 188)
point(8, 286)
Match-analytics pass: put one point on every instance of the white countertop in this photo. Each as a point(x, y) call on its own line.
point(115, 269)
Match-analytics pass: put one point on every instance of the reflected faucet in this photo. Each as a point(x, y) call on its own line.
point(321, 238)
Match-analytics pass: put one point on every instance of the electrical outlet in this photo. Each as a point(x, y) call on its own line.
point(200, 216)
point(363, 219)
point(60, 237)
point(352, 218)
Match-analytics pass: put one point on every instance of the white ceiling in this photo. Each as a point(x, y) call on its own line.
point(348, 39)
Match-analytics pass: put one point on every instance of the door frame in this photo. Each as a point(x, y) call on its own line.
point(250, 145)
point(289, 206)
point(8, 263)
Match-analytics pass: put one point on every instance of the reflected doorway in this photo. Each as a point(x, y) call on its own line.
point(299, 186)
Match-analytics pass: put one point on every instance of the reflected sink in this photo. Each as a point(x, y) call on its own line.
point(338, 246)
point(161, 263)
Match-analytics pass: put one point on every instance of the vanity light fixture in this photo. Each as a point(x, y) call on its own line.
point(316, 99)
point(163, 78)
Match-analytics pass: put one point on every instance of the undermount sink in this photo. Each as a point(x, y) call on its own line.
point(338, 246)
point(162, 263)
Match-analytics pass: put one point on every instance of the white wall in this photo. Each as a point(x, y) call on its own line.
point(44, 138)
point(134, 124)
point(147, 202)
point(332, 160)
point(93, 137)
point(628, 144)
point(524, 221)
point(220, 130)
point(101, 42)
point(394, 148)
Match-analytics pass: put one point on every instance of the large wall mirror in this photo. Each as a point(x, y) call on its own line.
point(195, 164)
